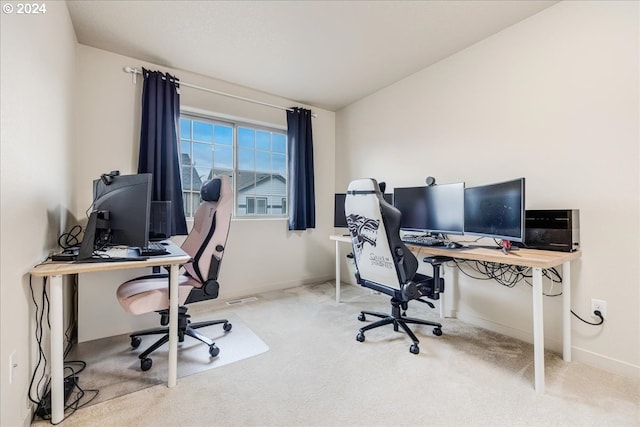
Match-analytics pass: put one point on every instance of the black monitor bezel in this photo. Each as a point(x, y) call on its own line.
point(339, 216)
point(129, 225)
point(431, 228)
point(468, 205)
point(403, 219)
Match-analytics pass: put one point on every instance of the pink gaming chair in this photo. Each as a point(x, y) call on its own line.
point(205, 244)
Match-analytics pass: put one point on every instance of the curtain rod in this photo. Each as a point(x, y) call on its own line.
point(135, 71)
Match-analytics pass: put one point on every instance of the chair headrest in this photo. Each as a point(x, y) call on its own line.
point(364, 185)
point(210, 190)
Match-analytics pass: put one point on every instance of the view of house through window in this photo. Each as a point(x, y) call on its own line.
point(255, 158)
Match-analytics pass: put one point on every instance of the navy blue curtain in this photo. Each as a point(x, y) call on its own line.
point(302, 200)
point(159, 143)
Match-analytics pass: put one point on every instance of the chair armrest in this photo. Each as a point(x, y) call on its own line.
point(437, 260)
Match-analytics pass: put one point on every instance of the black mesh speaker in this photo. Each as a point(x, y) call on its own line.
point(160, 220)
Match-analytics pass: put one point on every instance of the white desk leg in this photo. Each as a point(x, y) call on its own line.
point(56, 354)
point(538, 331)
point(442, 304)
point(566, 311)
point(173, 325)
point(337, 271)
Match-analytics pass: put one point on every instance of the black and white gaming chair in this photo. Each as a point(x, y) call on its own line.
point(383, 262)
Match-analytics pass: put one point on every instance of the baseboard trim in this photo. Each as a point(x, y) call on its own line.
point(578, 354)
point(271, 287)
point(606, 363)
point(526, 336)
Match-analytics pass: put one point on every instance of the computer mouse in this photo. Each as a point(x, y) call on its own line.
point(454, 245)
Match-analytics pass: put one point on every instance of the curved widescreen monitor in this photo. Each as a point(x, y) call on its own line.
point(445, 208)
point(495, 210)
point(339, 217)
point(412, 204)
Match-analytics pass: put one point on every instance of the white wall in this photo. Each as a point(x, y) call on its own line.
point(261, 254)
point(38, 73)
point(554, 99)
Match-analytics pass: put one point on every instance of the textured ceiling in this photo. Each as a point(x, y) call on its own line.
point(322, 53)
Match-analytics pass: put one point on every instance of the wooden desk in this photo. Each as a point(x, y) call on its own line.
point(55, 271)
point(537, 260)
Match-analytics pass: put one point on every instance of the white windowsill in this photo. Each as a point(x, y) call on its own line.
point(250, 218)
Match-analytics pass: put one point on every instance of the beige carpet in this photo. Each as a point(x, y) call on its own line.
point(113, 367)
point(316, 374)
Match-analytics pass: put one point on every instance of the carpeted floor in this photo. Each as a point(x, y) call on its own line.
point(316, 374)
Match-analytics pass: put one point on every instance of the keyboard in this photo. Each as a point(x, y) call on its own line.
point(114, 252)
point(422, 240)
point(153, 249)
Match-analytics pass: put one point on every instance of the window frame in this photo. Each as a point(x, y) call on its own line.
point(256, 204)
point(235, 124)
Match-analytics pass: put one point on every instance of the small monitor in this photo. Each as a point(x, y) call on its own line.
point(412, 204)
point(127, 198)
point(160, 220)
point(445, 208)
point(339, 217)
point(496, 210)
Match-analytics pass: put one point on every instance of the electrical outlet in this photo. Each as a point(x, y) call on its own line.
point(601, 306)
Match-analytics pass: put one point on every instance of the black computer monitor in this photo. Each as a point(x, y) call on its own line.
point(412, 204)
point(496, 210)
point(445, 208)
point(339, 217)
point(127, 198)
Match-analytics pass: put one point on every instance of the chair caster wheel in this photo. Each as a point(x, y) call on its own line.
point(437, 332)
point(361, 317)
point(145, 364)
point(135, 342)
point(414, 349)
point(360, 337)
point(227, 327)
point(213, 350)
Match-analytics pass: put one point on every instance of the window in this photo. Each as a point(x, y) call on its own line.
point(255, 205)
point(255, 158)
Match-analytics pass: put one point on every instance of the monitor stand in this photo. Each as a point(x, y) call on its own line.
point(89, 238)
point(504, 248)
point(98, 220)
point(507, 247)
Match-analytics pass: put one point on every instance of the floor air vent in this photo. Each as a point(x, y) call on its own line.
point(242, 300)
